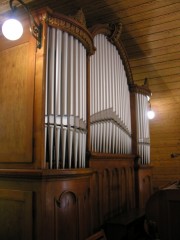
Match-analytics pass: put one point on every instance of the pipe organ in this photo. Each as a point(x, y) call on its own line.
point(110, 110)
point(69, 166)
point(109, 100)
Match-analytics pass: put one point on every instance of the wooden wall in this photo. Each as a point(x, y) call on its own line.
point(165, 137)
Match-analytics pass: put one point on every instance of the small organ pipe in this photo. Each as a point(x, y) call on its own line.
point(75, 148)
point(58, 73)
point(57, 146)
point(64, 74)
point(51, 74)
point(76, 95)
point(57, 100)
point(63, 149)
point(70, 97)
point(51, 150)
point(70, 77)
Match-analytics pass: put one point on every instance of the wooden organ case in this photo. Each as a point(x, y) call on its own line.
point(74, 144)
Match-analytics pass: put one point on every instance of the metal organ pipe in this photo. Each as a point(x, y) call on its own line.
point(110, 100)
point(58, 98)
point(51, 87)
point(143, 135)
point(65, 103)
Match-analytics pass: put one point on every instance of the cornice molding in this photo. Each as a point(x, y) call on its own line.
point(74, 25)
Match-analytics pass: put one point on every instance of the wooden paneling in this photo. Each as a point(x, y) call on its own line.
point(16, 214)
point(68, 208)
point(114, 184)
point(17, 63)
point(145, 185)
point(42, 205)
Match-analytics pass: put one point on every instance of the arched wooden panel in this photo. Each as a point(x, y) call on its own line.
point(95, 193)
point(106, 194)
point(123, 190)
point(115, 201)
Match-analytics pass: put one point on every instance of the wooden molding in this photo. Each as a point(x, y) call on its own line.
point(73, 25)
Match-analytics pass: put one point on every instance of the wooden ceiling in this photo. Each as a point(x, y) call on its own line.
point(151, 36)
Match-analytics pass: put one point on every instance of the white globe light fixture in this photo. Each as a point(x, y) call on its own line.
point(151, 114)
point(12, 29)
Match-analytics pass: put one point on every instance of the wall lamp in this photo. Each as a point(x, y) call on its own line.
point(150, 112)
point(173, 155)
point(12, 29)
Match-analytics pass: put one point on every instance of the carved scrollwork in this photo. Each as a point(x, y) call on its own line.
point(116, 32)
point(140, 89)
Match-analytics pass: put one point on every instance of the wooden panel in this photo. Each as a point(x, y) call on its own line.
point(16, 97)
point(163, 209)
point(57, 202)
point(115, 185)
point(15, 215)
point(145, 185)
point(66, 208)
point(95, 194)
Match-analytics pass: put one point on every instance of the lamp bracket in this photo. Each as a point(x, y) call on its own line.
point(35, 28)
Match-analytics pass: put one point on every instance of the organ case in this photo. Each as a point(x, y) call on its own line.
point(84, 139)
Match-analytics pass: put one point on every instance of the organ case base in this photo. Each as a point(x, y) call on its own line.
point(45, 204)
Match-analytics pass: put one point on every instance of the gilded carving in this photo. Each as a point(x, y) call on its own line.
point(117, 29)
point(73, 25)
point(79, 16)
